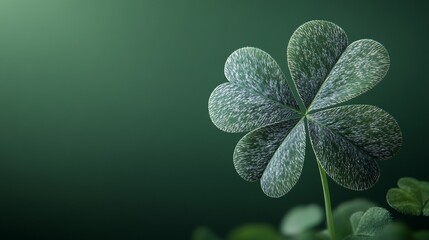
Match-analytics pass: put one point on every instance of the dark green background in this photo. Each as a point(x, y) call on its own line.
point(105, 131)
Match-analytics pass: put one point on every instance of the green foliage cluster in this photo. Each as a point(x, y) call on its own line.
point(357, 219)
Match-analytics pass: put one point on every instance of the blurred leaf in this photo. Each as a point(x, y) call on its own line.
point(421, 235)
point(255, 232)
point(204, 233)
point(343, 212)
point(372, 221)
point(310, 235)
point(301, 218)
point(322, 235)
point(367, 225)
point(395, 231)
point(303, 236)
point(359, 238)
point(355, 219)
point(412, 197)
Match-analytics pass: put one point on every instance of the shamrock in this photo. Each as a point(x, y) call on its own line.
point(347, 140)
point(412, 197)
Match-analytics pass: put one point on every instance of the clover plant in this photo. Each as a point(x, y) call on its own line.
point(412, 197)
point(326, 70)
point(369, 224)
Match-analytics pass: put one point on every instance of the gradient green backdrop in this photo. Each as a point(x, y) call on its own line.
point(105, 132)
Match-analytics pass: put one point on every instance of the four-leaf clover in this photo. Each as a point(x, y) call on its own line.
point(347, 140)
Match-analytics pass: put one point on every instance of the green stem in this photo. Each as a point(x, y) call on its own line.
point(329, 218)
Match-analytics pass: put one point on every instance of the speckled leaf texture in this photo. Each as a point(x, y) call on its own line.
point(286, 164)
point(256, 95)
point(361, 66)
point(348, 140)
point(255, 149)
point(313, 50)
point(274, 153)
